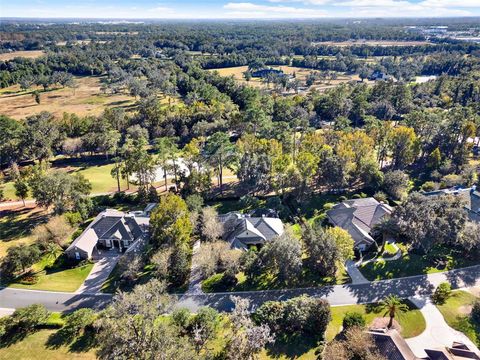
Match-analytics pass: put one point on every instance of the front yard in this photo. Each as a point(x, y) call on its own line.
point(438, 260)
point(456, 311)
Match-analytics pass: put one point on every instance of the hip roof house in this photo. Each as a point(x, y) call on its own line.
point(358, 217)
point(243, 231)
point(110, 229)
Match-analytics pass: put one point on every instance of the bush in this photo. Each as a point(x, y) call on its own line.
point(475, 315)
point(328, 206)
point(353, 319)
point(442, 293)
point(30, 278)
point(79, 321)
point(430, 186)
point(380, 196)
point(270, 313)
point(181, 318)
point(28, 318)
point(73, 218)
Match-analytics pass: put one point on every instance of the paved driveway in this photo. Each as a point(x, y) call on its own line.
point(105, 261)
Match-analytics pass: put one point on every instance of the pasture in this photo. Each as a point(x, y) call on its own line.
point(29, 54)
point(86, 99)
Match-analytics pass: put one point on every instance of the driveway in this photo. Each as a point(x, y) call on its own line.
point(105, 261)
point(437, 333)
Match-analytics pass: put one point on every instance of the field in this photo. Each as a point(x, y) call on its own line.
point(300, 73)
point(372, 43)
point(87, 99)
point(30, 54)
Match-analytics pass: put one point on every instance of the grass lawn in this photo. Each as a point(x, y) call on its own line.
point(415, 264)
point(267, 281)
point(412, 322)
point(456, 312)
point(67, 280)
point(37, 346)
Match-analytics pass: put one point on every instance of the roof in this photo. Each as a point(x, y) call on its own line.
point(109, 224)
point(242, 230)
point(391, 345)
point(358, 217)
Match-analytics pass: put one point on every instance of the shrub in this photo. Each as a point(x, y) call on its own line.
point(328, 206)
point(430, 186)
point(442, 293)
point(475, 315)
point(181, 318)
point(270, 313)
point(380, 196)
point(79, 321)
point(353, 319)
point(73, 218)
point(26, 319)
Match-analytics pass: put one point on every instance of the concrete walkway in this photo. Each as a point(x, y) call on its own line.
point(105, 261)
point(354, 273)
point(437, 333)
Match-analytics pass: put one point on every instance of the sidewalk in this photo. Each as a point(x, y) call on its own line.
point(355, 274)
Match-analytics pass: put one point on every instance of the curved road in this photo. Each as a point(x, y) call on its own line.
point(420, 285)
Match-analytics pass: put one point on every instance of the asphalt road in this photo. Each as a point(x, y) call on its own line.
point(421, 286)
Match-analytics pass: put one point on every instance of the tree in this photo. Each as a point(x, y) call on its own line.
point(393, 306)
point(404, 146)
point(323, 252)
point(19, 258)
point(63, 191)
point(204, 327)
point(358, 345)
point(245, 340)
point(283, 255)
point(77, 321)
point(167, 156)
point(344, 241)
point(220, 153)
point(41, 135)
point(21, 189)
point(442, 293)
point(11, 138)
point(396, 184)
point(211, 227)
point(170, 222)
point(141, 334)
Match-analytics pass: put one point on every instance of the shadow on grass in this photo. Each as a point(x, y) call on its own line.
point(12, 337)
point(14, 227)
point(291, 347)
point(78, 344)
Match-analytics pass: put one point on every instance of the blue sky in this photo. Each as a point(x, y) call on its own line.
point(205, 9)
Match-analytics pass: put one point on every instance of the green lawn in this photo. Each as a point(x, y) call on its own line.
point(67, 280)
point(412, 322)
point(415, 264)
point(267, 281)
point(37, 346)
point(456, 310)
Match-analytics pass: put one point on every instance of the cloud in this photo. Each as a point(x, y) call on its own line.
point(307, 2)
point(452, 3)
point(250, 10)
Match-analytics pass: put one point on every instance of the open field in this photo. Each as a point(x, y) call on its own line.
point(29, 54)
point(87, 99)
point(300, 73)
point(372, 43)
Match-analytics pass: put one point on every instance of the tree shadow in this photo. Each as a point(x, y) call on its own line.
point(17, 226)
point(291, 347)
point(64, 337)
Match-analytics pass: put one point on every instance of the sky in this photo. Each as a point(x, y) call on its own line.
point(236, 9)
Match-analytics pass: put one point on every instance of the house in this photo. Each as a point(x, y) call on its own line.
point(111, 229)
point(243, 231)
point(393, 346)
point(381, 76)
point(358, 217)
point(470, 197)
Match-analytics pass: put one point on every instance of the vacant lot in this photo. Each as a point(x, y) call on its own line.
point(372, 43)
point(87, 99)
point(300, 73)
point(31, 54)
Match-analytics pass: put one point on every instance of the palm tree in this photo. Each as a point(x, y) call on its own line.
point(52, 250)
point(393, 306)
